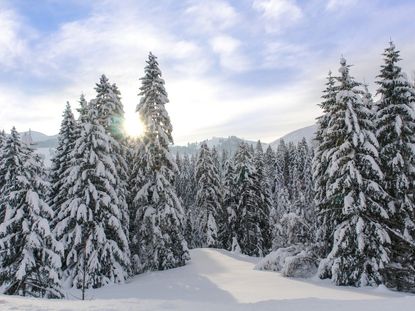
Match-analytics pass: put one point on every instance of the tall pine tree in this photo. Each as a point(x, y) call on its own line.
point(250, 237)
point(208, 199)
point(89, 222)
point(29, 254)
point(395, 123)
point(360, 244)
point(62, 159)
point(158, 218)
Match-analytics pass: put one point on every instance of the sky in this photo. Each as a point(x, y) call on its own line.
point(250, 68)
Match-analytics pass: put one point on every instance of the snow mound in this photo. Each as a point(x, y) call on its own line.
point(291, 261)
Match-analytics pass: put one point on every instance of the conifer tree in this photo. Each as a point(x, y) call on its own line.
point(110, 114)
point(228, 232)
point(249, 215)
point(90, 221)
point(2, 173)
point(29, 253)
point(270, 167)
point(324, 143)
point(281, 198)
point(395, 123)
point(62, 159)
point(2, 138)
point(109, 107)
point(360, 244)
point(264, 196)
point(158, 217)
point(208, 199)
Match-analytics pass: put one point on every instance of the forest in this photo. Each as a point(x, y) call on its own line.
point(341, 207)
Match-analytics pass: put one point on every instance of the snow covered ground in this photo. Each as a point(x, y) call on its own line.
point(217, 280)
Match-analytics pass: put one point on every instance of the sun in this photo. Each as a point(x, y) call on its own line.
point(133, 126)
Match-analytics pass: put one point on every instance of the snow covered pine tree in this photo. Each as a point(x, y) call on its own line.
point(208, 199)
point(29, 254)
point(110, 114)
point(158, 218)
point(395, 124)
point(89, 223)
point(62, 160)
point(250, 237)
point(360, 245)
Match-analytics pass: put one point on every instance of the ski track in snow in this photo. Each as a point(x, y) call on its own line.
point(218, 280)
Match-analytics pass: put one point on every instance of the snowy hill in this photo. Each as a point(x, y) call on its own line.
point(219, 280)
point(297, 135)
point(38, 136)
point(229, 144)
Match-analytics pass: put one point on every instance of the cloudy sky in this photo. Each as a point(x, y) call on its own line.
point(251, 68)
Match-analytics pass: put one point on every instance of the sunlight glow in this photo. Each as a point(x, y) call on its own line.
point(133, 126)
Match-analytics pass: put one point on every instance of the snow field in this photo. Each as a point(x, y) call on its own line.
point(219, 280)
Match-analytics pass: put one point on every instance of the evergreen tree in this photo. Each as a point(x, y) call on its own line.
point(281, 198)
point(270, 167)
point(264, 196)
point(110, 114)
point(395, 123)
point(29, 253)
point(360, 246)
point(158, 217)
point(2, 138)
point(2, 172)
point(109, 107)
point(90, 221)
point(324, 142)
point(229, 221)
point(208, 199)
point(62, 159)
point(249, 215)
point(186, 191)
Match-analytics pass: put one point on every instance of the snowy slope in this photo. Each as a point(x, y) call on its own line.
point(219, 280)
point(38, 136)
point(297, 135)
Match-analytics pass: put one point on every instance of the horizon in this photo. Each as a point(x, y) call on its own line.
point(251, 69)
point(182, 145)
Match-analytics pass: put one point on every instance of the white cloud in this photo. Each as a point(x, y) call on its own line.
point(278, 14)
point(12, 45)
point(212, 15)
point(228, 49)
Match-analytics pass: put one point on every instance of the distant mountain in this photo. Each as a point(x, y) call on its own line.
point(38, 136)
point(297, 135)
point(230, 145)
point(45, 144)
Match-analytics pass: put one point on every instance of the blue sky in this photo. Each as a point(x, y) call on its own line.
point(251, 68)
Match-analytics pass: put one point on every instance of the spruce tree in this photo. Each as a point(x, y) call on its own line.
point(158, 218)
point(228, 231)
point(270, 167)
point(109, 107)
point(360, 244)
point(29, 254)
point(264, 196)
point(2, 172)
point(90, 221)
point(250, 237)
point(324, 142)
point(208, 199)
point(62, 159)
point(110, 114)
point(281, 198)
point(395, 123)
